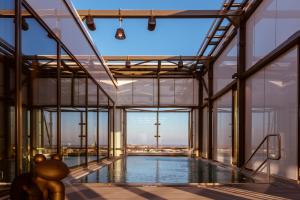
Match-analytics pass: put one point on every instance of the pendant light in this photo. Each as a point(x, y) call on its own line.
point(120, 33)
point(89, 21)
point(151, 22)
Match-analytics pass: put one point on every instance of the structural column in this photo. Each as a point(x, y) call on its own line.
point(18, 87)
point(86, 119)
point(200, 117)
point(210, 111)
point(241, 61)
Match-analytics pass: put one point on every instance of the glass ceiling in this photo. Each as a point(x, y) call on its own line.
point(171, 36)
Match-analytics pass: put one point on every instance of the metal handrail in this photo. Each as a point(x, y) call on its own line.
point(266, 138)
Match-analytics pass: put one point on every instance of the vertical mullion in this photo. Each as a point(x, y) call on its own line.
point(210, 111)
point(97, 142)
point(86, 119)
point(298, 109)
point(113, 129)
point(108, 128)
point(58, 101)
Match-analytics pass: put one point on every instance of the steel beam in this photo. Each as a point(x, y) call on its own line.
point(155, 58)
point(137, 13)
point(122, 58)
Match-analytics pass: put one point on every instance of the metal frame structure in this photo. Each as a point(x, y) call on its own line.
point(152, 67)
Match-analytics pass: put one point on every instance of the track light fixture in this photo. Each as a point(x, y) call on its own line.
point(128, 63)
point(25, 25)
point(151, 22)
point(180, 63)
point(120, 33)
point(89, 21)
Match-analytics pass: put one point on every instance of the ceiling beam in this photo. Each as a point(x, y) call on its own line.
point(124, 58)
point(159, 13)
point(155, 58)
point(139, 13)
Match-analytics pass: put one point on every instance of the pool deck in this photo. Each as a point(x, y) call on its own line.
point(275, 191)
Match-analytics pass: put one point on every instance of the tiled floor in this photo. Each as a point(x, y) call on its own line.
point(229, 192)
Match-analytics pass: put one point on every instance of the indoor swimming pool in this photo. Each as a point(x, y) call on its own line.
point(164, 170)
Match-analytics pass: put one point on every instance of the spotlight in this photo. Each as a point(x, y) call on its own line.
point(151, 23)
point(89, 21)
point(25, 25)
point(128, 63)
point(180, 63)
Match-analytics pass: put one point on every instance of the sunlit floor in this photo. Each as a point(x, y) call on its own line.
point(229, 192)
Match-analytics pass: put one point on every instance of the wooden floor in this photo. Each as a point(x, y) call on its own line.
point(276, 191)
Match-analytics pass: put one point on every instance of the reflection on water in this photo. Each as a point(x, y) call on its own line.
point(72, 161)
point(159, 169)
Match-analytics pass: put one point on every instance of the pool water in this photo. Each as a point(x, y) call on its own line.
point(164, 170)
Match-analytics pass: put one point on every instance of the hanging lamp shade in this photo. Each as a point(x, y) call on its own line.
point(151, 23)
point(128, 64)
point(120, 34)
point(89, 21)
point(25, 25)
point(180, 63)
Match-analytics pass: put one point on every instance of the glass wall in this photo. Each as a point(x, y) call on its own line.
point(67, 30)
point(103, 133)
point(144, 92)
point(141, 131)
point(225, 66)
point(277, 20)
point(271, 108)
point(73, 140)
point(174, 129)
point(222, 129)
point(43, 111)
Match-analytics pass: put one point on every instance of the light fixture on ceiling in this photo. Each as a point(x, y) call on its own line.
point(120, 33)
point(25, 25)
point(180, 63)
point(89, 21)
point(128, 63)
point(151, 22)
point(34, 64)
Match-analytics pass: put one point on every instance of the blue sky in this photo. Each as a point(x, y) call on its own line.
point(171, 37)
